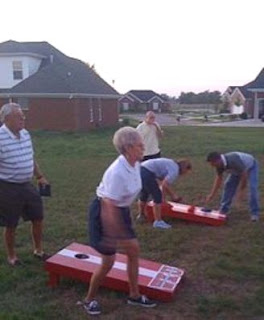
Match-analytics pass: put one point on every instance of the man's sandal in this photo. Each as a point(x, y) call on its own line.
point(41, 256)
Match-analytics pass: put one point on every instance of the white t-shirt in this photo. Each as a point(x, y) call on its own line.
point(121, 182)
point(150, 138)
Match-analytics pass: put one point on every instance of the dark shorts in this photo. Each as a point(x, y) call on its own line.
point(96, 231)
point(152, 156)
point(150, 186)
point(19, 200)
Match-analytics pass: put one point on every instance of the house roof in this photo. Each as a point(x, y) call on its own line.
point(43, 49)
point(58, 73)
point(258, 83)
point(243, 89)
point(144, 95)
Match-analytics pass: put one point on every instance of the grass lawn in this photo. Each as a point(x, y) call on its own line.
point(224, 265)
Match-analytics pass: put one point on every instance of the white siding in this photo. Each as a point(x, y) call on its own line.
point(237, 109)
point(30, 66)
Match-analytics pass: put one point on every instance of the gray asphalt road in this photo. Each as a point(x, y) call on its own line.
point(239, 123)
point(170, 120)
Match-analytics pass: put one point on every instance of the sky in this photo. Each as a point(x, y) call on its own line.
point(169, 46)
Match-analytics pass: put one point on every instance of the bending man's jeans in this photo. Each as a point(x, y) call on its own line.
point(230, 187)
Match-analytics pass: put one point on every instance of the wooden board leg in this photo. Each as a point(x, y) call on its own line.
point(54, 280)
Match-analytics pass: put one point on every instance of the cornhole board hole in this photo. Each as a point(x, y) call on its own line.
point(157, 281)
point(187, 212)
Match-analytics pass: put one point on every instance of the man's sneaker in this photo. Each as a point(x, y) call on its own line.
point(254, 218)
point(161, 224)
point(141, 218)
point(141, 301)
point(92, 307)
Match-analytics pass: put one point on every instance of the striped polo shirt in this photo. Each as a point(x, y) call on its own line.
point(16, 156)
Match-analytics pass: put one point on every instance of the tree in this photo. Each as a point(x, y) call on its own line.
point(205, 97)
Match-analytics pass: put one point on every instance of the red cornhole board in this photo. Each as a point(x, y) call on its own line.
point(187, 212)
point(78, 261)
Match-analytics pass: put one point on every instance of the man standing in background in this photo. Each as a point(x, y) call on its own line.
point(151, 133)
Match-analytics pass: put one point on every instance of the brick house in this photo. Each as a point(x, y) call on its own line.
point(250, 97)
point(256, 87)
point(56, 92)
point(143, 100)
point(236, 99)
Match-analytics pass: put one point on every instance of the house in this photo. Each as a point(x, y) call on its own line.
point(248, 98)
point(56, 92)
point(256, 87)
point(143, 100)
point(237, 99)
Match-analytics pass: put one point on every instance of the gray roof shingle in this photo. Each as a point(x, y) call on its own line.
point(258, 83)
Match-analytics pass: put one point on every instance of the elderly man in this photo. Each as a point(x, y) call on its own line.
point(150, 132)
point(18, 197)
point(241, 167)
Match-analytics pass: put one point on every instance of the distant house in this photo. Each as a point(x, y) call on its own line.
point(237, 99)
point(248, 98)
point(143, 100)
point(256, 87)
point(56, 92)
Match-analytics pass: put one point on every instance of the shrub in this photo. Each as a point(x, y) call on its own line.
point(126, 122)
point(243, 115)
point(233, 117)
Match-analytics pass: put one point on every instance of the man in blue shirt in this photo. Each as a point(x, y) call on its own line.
point(242, 167)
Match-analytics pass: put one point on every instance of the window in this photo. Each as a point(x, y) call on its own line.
point(17, 70)
point(100, 112)
point(91, 111)
point(91, 114)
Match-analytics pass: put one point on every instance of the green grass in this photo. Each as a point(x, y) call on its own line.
point(224, 265)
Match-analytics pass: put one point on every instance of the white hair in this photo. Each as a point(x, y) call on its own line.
point(7, 109)
point(125, 137)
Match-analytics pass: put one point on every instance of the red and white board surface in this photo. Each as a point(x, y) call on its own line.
point(187, 212)
point(157, 281)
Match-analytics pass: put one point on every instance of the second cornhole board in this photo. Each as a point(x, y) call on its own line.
point(157, 281)
point(187, 212)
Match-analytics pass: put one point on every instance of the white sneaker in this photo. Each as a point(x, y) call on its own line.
point(161, 224)
point(254, 218)
point(142, 301)
point(92, 307)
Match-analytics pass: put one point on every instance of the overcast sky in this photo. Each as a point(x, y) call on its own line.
point(168, 46)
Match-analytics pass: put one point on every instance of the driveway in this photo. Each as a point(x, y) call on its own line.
point(168, 119)
point(238, 123)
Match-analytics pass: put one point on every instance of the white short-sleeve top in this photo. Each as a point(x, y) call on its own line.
point(121, 182)
point(150, 138)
